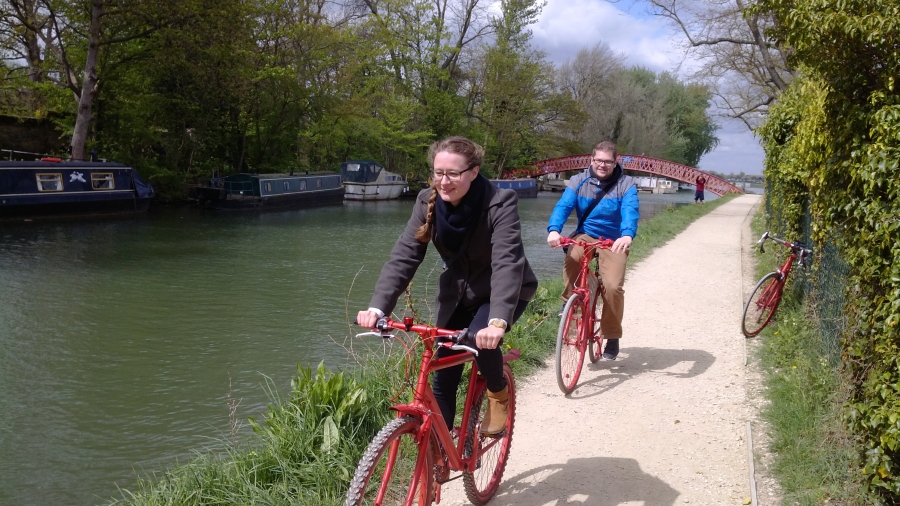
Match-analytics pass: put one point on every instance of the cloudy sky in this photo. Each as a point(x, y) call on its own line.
point(565, 26)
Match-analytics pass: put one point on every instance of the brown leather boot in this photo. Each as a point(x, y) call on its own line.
point(497, 410)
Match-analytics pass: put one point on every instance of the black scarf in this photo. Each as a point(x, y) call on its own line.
point(616, 174)
point(453, 223)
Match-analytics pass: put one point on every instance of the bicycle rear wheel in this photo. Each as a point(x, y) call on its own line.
point(595, 341)
point(388, 467)
point(493, 452)
point(570, 344)
point(762, 304)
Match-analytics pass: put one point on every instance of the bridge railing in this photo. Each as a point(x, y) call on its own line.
point(665, 168)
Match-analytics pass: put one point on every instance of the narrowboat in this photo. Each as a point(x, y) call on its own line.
point(525, 187)
point(52, 188)
point(269, 191)
point(368, 180)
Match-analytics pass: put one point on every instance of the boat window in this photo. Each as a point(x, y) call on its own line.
point(268, 187)
point(287, 185)
point(352, 167)
point(49, 182)
point(318, 183)
point(102, 181)
point(302, 184)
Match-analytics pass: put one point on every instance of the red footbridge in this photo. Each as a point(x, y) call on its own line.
point(641, 163)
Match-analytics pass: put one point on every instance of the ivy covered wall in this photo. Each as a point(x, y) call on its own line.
point(832, 143)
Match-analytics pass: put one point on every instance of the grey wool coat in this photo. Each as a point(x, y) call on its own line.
point(492, 268)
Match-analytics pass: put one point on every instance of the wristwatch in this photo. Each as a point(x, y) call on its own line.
point(497, 322)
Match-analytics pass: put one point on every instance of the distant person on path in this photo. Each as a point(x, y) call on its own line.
point(606, 203)
point(487, 281)
point(701, 185)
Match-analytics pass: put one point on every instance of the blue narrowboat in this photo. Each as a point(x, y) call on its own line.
point(270, 191)
point(51, 187)
point(525, 187)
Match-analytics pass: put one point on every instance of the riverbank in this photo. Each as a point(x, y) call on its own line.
point(285, 461)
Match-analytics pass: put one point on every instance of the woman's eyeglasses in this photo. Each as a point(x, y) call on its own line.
point(452, 175)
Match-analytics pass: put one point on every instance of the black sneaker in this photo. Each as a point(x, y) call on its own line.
point(561, 309)
point(612, 349)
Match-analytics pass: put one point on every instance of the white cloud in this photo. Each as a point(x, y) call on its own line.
point(738, 151)
point(566, 26)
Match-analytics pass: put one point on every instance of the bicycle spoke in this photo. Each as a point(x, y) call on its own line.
point(570, 345)
point(386, 475)
point(762, 304)
point(491, 453)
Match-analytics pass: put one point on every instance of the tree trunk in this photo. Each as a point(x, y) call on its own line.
point(88, 86)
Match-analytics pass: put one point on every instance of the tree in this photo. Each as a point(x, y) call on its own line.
point(71, 34)
point(655, 115)
point(744, 69)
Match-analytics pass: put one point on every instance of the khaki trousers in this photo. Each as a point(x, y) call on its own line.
point(612, 270)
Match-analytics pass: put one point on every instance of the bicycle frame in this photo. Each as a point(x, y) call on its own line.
point(424, 405)
point(582, 282)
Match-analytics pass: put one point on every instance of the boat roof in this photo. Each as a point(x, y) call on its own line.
point(367, 162)
point(20, 165)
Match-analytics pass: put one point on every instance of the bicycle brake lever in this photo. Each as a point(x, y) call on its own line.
point(377, 334)
point(762, 240)
point(464, 347)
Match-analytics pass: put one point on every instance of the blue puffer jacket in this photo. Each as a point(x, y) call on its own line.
point(614, 216)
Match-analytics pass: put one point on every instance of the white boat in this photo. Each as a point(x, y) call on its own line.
point(656, 184)
point(368, 180)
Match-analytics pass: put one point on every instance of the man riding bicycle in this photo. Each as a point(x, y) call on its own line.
point(606, 203)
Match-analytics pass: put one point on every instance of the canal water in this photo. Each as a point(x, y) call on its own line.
point(122, 340)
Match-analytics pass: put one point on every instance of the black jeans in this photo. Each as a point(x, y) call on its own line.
point(490, 362)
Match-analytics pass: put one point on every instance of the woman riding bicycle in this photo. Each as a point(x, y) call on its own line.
point(487, 281)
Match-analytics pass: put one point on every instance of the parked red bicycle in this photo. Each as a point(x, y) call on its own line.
point(413, 455)
point(579, 325)
point(765, 297)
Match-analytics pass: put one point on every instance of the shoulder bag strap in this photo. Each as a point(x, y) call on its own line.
point(603, 191)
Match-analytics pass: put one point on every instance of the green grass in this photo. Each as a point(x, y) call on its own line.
point(307, 447)
point(815, 461)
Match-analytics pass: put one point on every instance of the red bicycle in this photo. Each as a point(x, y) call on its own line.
point(412, 456)
point(579, 326)
point(766, 296)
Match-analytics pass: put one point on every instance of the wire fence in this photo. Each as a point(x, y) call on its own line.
point(821, 288)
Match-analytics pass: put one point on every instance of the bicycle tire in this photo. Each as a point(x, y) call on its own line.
point(570, 345)
point(482, 484)
point(595, 342)
point(762, 304)
point(401, 432)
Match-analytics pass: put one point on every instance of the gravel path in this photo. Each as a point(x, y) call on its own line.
point(665, 424)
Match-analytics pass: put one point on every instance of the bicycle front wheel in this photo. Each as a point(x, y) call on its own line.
point(595, 341)
point(386, 472)
point(570, 344)
point(492, 452)
point(762, 304)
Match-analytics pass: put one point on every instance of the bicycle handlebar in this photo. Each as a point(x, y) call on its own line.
point(796, 247)
point(601, 243)
point(453, 339)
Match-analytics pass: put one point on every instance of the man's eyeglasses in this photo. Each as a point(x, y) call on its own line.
point(598, 161)
point(452, 175)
